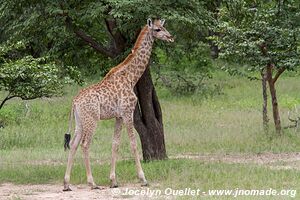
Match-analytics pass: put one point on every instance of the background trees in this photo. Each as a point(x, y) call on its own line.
point(265, 36)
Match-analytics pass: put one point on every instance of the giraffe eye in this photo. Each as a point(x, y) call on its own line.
point(157, 30)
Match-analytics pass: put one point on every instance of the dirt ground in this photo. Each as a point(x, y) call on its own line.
point(10, 191)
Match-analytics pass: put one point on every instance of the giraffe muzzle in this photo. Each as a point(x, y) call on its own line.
point(170, 39)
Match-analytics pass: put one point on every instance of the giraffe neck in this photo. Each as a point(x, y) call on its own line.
point(141, 55)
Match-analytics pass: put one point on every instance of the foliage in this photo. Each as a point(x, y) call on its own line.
point(258, 33)
point(29, 78)
point(44, 26)
point(184, 73)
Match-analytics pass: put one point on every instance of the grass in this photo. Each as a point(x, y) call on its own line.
point(225, 123)
point(176, 174)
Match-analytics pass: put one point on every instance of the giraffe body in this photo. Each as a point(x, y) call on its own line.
point(113, 97)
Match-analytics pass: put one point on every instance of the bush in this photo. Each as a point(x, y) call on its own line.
point(29, 78)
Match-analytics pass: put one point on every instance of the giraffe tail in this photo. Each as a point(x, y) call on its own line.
point(68, 134)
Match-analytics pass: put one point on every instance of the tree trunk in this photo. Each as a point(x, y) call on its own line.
point(148, 119)
point(213, 7)
point(276, 116)
point(214, 49)
point(275, 107)
point(265, 101)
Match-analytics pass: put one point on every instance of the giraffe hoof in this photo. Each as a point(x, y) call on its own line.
point(145, 184)
point(114, 186)
point(67, 189)
point(96, 187)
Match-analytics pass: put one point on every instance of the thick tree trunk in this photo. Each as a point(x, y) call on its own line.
point(265, 101)
point(148, 119)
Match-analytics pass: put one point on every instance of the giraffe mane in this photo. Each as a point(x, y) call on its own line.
point(131, 55)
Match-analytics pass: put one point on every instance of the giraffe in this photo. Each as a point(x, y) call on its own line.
point(113, 97)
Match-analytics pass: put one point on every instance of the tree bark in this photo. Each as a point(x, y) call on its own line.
point(118, 41)
point(148, 119)
point(265, 101)
point(109, 52)
point(275, 107)
point(272, 88)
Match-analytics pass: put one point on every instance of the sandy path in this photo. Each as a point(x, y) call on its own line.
point(10, 191)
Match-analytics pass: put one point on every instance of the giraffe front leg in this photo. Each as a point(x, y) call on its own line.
point(133, 145)
point(115, 146)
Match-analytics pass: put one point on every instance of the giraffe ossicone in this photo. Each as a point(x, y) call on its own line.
point(113, 97)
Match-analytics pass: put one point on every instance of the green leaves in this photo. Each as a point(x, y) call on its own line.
point(185, 73)
point(27, 77)
point(30, 78)
point(258, 33)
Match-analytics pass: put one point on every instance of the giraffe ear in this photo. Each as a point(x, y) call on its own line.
point(149, 23)
point(162, 22)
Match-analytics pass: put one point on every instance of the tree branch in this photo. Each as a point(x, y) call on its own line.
point(118, 41)
point(8, 97)
point(89, 40)
point(279, 72)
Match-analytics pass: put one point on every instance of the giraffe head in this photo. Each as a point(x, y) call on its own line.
point(158, 30)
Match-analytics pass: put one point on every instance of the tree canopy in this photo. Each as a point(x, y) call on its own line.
point(110, 26)
point(258, 33)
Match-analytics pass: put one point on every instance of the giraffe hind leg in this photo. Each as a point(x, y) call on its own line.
point(74, 145)
point(115, 146)
point(87, 137)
